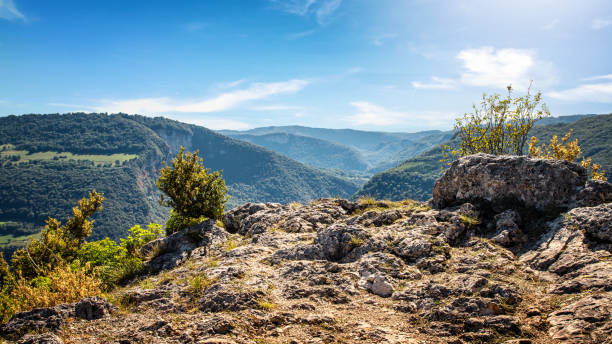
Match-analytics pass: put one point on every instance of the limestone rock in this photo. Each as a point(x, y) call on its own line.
point(92, 308)
point(505, 182)
point(584, 321)
point(45, 338)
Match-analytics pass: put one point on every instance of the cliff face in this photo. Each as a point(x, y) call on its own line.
point(510, 249)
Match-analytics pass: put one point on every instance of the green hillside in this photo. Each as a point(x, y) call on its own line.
point(415, 177)
point(309, 150)
point(48, 162)
point(359, 151)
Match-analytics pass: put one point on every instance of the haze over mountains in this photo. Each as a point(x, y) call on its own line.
point(345, 149)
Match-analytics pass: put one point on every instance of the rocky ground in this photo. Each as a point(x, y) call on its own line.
point(510, 250)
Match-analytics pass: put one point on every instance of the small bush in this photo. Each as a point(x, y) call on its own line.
point(499, 125)
point(565, 150)
point(191, 190)
point(199, 283)
point(468, 220)
point(63, 285)
point(58, 244)
point(177, 222)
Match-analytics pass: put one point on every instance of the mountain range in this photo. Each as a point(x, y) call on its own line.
point(48, 162)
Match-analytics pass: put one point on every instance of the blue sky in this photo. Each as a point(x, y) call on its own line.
point(388, 65)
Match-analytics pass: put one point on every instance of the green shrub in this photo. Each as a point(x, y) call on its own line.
point(115, 263)
point(499, 125)
point(191, 190)
point(58, 244)
point(177, 222)
point(139, 236)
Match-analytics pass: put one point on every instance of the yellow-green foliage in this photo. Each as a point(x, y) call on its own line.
point(367, 200)
point(266, 305)
point(58, 244)
point(62, 285)
point(199, 283)
point(191, 190)
point(139, 236)
point(565, 150)
point(468, 220)
point(499, 125)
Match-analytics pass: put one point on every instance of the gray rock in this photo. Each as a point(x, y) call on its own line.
point(594, 193)
point(168, 252)
point(379, 284)
point(50, 319)
point(45, 338)
point(507, 229)
point(506, 182)
point(584, 321)
point(92, 308)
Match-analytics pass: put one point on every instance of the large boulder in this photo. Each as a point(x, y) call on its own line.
point(510, 182)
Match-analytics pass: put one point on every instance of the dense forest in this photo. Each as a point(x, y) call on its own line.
point(48, 162)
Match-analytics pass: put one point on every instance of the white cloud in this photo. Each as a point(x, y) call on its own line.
point(437, 83)
point(230, 84)
point(599, 77)
point(489, 67)
point(217, 123)
point(222, 102)
point(9, 11)
point(326, 9)
point(278, 107)
point(299, 7)
point(597, 93)
point(322, 10)
point(598, 24)
point(369, 114)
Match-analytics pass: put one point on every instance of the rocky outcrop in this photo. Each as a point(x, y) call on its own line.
point(52, 319)
point(168, 252)
point(516, 250)
point(506, 182)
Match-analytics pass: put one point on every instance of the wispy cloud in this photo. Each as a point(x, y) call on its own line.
point(490, 67)
point(222, 102)
point(9, 11)
point(598, 77)
point(321, 10)
point(326, 10)
point(591, 92)
point(231, 84)
point(301, 34)
point(598, 24)
point(369, 114)
point(381, 39)
point(216, 123)
point(550, 26)
point(277, 107)
point(436, 83)
point(299, 7)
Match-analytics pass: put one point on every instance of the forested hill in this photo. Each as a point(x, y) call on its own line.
point(365, 152)
point(414, 178)
point(48, 162)
point(252, 173)
point(310, 150)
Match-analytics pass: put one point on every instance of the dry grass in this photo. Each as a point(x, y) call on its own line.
point(63, 285)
